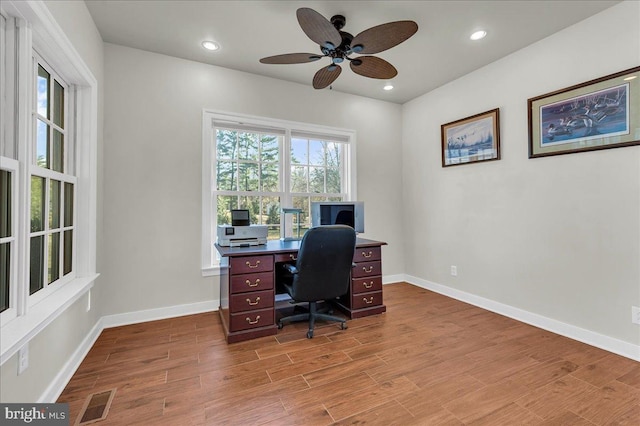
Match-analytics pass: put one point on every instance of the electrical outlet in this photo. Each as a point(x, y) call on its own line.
point(454, 270)
point(635, 315)
point(23, 358)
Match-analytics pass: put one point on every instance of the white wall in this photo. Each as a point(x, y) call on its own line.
point(557, 237)
point(152, 167)
point(52, 348)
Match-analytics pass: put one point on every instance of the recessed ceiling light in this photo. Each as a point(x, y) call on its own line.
point(388, 86)
point(630, 78)
point(210, 45)
point(478, 35)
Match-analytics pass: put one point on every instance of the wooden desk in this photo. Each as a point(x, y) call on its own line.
point(247, 291)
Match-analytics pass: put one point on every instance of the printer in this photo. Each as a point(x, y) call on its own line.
point(242, 236)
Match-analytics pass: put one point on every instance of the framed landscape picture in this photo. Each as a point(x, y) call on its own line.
point(598, 114)
point(471, 139)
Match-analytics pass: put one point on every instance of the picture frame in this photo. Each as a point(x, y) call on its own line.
point(471, 139)
point(598, 114)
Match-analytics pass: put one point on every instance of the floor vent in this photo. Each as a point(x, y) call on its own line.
point(96, 407)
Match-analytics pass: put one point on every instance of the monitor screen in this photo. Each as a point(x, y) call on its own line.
point(338, 213)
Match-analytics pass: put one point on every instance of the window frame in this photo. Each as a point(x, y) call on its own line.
point(210, 261)
point(12, 166)
point(31, 27)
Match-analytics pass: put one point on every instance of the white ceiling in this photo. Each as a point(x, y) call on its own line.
point(249, 30)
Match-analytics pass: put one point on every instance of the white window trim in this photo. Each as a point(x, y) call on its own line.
point(210, 263)
point(11, 165)
point(37, 29)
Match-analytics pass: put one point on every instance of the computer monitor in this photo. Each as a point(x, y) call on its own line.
point(349, 213)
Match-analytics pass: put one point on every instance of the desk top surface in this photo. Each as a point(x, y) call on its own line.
point(279, 246)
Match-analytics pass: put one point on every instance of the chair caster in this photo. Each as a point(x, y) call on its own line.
point(343, 326)
point(310, 334)
point(280, 325)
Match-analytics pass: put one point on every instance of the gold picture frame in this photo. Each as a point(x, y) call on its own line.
point(472, 139)
point(598, 114)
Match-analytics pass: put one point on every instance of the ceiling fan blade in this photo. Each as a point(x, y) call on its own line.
point(373, 67)
point(325, 76)
point(318, 28)
point(291, 58)
point(382, 37)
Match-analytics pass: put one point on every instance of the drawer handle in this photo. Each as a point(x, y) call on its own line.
point(367, 255)
point(253, 322)
point(368, 285)
point(293, 256)
point(367, 270)
point(253, 303)
point(252, 266)
point(253, 285)
point(368, 302)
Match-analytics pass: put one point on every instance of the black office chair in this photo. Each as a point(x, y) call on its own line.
point(321, 272)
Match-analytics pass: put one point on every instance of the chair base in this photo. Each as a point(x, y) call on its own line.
point(312, 316)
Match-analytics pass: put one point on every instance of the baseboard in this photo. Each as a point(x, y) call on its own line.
point(592, 338)
point(159, 313)
point(388, 279)
point(58, 384)
point(61, 380)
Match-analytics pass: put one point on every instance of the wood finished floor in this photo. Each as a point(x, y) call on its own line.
point(429, 360)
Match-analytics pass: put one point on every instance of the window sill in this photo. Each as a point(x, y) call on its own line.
point(20, 330)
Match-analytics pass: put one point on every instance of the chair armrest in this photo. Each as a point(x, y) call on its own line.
point(290, 268)
point(353, 265)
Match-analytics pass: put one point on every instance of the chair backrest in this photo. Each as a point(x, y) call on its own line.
point(324, 263)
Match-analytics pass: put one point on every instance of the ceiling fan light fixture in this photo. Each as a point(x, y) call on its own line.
point(210, 45)
point(357, 48)
point(478, 35)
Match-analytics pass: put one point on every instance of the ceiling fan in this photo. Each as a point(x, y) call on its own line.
point(339, 45)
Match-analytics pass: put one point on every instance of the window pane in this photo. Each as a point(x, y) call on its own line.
point(5, 203)
point(269, 148)
point(226, 146)
point(68, 252)
point(226, 175)
point(248, 146)
point(316, 179)
point(299, 151)
point(334, 165)
point(54, 204)
point(68, 204)
point(43, 92)
point(5, 270)
point(299, 179)
point(271, 216)
point(37, 203)
point(248, 179)
point(253, 205)
point(37, 264)
point(57, 152)
point(226, 203)
point(269, 177)
point(316, 153)
point(54, 257)
point(303, 204)
point(58, 104)
point(42, 145)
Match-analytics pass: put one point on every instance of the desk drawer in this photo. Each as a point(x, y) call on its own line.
point(367, 269)
point(364, 285)
point(251, 319)
point(286, 257)
point(367, 254)
point(251, 264)
point(251, 301)
point(251, 282)
point(366, 300)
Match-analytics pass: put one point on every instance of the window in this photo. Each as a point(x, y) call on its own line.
point(266, 165)
point(48, 146)
point(51, 243)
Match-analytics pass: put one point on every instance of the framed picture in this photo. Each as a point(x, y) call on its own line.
point(599, 114)
point(471, 139)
